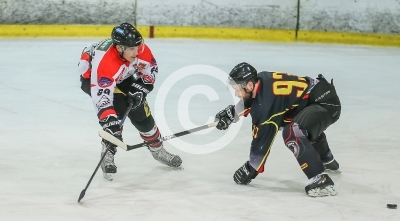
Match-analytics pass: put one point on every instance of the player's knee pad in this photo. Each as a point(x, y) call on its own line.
point(144, 125)
point(292, 135)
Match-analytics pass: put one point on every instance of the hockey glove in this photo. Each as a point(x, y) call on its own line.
point(139, 86)
point(136, 99)
point(85, 85)
point(111, 125)
point(245, 174)
point(138, 92)
point(226, 117)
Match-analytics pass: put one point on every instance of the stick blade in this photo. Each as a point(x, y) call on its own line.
point(82, 195)
point(112, 139)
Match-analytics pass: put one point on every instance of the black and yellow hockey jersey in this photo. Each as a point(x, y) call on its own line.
point(279, 97)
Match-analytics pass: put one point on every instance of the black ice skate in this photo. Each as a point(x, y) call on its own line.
point(166, 158)
point(330, 164)
point(321, 185)
point(108, 165)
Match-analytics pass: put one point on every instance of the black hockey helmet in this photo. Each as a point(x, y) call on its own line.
point(243, 73)
point(127, 35)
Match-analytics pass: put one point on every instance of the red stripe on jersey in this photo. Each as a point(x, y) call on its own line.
point(86, 75)
point(261, 169)
point(107, 113)
point(245, 112)
point(257, 87)
point(85, 56)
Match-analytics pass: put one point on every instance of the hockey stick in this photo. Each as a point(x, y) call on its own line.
point(121, 123)
point(126, 147)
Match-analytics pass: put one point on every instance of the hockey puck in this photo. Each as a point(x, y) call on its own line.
point(392, 206)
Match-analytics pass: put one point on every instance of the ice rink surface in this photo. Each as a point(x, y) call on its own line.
point(50, 147)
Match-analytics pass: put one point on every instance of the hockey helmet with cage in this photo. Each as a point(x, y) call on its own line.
point(242, 73)
point(126, 35)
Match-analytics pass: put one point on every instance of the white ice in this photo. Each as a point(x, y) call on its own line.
point(49, 145)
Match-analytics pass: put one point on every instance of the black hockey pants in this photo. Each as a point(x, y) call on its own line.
point(304, 135)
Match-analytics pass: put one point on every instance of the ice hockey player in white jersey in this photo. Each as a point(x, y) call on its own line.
point(115, 72)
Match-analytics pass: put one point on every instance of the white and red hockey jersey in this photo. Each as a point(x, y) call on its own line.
point(102, 63)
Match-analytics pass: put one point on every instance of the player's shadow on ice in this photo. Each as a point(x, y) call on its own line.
point(277, 185)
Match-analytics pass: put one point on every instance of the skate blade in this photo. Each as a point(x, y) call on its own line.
point(327, 191)
point(172, 167)
point(108, 176)
point(178, 168)
point(333, 171)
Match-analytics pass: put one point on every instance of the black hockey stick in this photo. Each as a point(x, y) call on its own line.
point(121, 123)
point(126, 147)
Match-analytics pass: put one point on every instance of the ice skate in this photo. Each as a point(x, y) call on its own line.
point(330, 164)
point(108, 165)
point(321, 185)
point(166, 158)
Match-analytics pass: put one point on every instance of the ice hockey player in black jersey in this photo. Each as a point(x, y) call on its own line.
point(302, 107)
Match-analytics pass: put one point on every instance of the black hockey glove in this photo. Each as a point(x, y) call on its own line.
point(85, 85)
point(140, 86)
point(226, 117)
point(136, 99)
point(138, 92)
point(245, 174)
point(111, 125)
